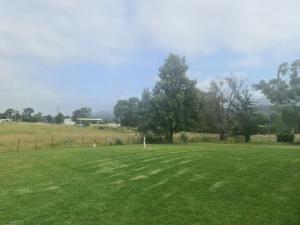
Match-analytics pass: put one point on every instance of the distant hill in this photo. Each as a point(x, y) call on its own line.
point(105, 115)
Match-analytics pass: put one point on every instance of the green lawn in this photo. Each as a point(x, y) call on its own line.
point(167, 184)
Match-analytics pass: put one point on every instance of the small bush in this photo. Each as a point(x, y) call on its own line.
point(119, 141)
point(184, 138)
point(230, 140)
point(285, 138)
point(239, 139)
point(198, 139)
point(154, 139)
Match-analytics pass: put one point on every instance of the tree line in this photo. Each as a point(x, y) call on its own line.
point(28, 115)
point(175, 104)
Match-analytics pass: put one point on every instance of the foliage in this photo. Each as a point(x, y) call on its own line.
point(59, 118)
point(8, 114)
point(284, 90)
point(154, 139)
point(84, 112)
point(184, 137)
point(223, 94)
point(144, 114)
point(285, 138)
point(126, 112)
point(175, 103)
point(119, 141)
point(48, 119)
point(37, 117)
point(244, 115)
point(27, 114)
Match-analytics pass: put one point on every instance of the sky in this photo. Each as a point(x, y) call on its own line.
point(71, 53)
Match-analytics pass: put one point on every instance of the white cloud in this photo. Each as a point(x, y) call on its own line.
point(108, 31)
point(201, 26)
point(16, 89)
point(60, 31)
point(111, 31)
point(19, 88)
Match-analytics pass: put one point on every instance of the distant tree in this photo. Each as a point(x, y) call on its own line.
point(27, 114)
point(48, 119)
point(8, 113)
point(37, 117)
point(144, 113)
point(126, 112)
point(84, 112)
point(175, 103)
point(121, 111)
point(17, 116)
point(59, 118)
point(284, 91)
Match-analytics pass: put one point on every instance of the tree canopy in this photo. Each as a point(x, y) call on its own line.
point(284, 92)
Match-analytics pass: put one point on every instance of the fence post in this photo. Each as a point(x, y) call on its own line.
point(52, 142)
point(18, 143)
point(35, 144)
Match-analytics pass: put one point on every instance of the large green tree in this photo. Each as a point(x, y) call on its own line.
point(175, 103)
point(284, 92)
point(244, 115)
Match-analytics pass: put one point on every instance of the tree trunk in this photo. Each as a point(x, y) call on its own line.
point(222, 134)
point(170, 135)
point(247, 138)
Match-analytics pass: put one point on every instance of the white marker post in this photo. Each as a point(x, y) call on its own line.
point(144, 142)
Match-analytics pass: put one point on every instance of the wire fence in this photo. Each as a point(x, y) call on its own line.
point(30, 142)
point(23, 143)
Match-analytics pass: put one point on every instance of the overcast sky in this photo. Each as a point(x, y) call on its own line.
point(72, 53)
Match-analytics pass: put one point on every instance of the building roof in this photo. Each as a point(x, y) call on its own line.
point(89, 119)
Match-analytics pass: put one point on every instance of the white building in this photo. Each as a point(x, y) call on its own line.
point(5, 120)
point(69, 122)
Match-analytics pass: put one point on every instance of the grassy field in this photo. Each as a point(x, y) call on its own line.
point(28, 136)
point(210, 184)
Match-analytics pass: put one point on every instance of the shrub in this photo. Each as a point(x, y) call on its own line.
point(230, 140)
point(153, 139)
point(184, 137)
point(285, 138)
point(239, 139)
point(198, 139)
point(119, 141)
